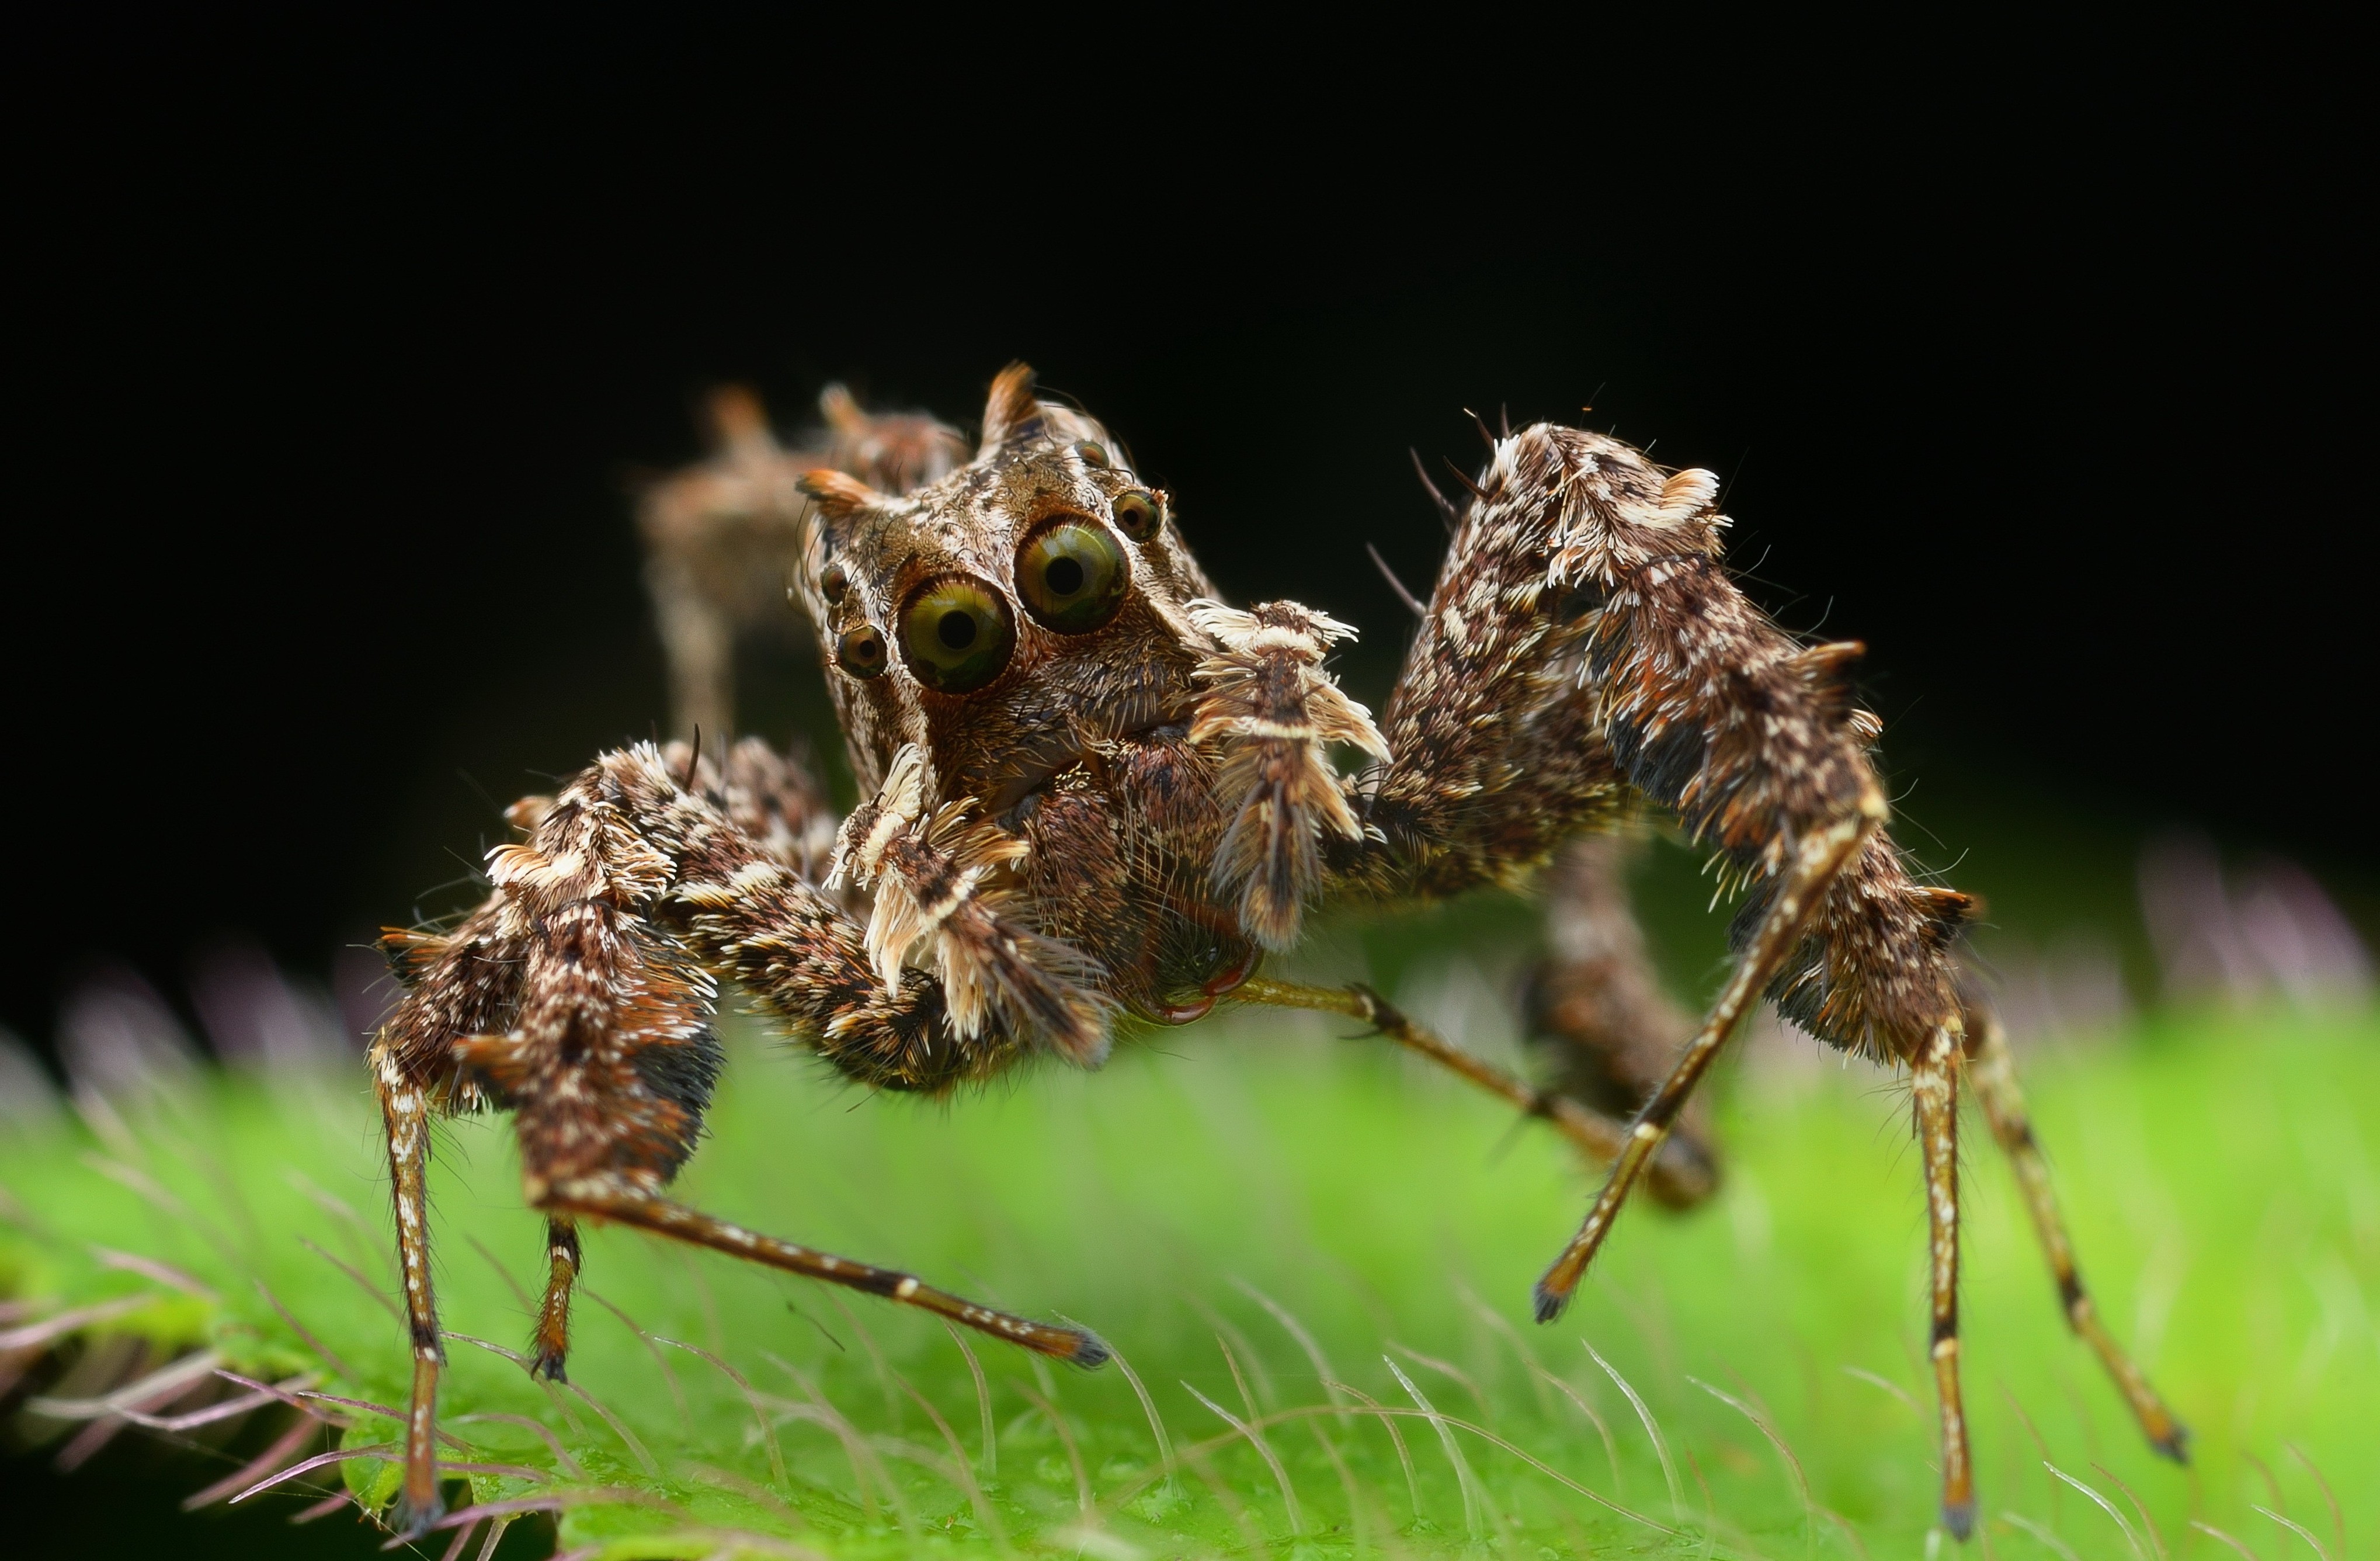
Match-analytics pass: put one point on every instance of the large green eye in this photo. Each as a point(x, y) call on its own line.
point(958, 634)
point(1072, 575)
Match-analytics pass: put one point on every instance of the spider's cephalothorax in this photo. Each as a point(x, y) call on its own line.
point(1094, 794)
point(1020, 642)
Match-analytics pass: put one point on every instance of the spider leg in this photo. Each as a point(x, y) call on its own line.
point(1598, 1018)
point(462, 982)
point(562, 1257)
point(1798, 894)
point(1993, 1072)
point(604, 1198)
point(579, 997)
point(1586, 640)
point(405, 1112)
point(1500, 762)
point(1934, 1086)
point(1680, 1178)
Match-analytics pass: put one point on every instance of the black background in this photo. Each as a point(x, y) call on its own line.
point(2039, 364)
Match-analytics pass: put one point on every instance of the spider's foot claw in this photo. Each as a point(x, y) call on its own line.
point(1546, 1302)
point(1090, 1351)
point(548, 1367)
point(1959, 1517)
point(2174, 1444)
point(408, 1521)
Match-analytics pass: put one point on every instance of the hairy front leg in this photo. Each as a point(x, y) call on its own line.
point(580, 995)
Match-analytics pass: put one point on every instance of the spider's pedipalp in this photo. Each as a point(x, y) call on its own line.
point(937, 877)
point(1274, 713)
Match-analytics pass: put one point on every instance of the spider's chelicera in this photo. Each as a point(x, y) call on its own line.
point(1095, 794)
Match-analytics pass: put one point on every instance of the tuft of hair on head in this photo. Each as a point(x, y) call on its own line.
point(838, 495)
point(1011, 412)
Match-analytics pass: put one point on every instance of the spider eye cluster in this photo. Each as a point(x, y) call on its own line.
point(956, 632)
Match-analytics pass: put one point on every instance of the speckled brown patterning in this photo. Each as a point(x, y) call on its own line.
point(1094, 794)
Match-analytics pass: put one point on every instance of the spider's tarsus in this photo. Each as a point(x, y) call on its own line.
point(406, 1522)
point(1959, 1518)
point(1546, 1304)
point(1090, 1351)
point(2175, 1446)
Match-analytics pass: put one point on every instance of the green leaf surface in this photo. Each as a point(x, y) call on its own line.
point(1315, 1256)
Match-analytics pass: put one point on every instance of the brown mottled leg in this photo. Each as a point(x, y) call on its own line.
point(404, 1112)
point(1684, 1180)
point(1934, 1087)
point(1994, 1073)
point(611, 1200)
point(1801, 888)
point(554, 1316)
point(1600, 1023)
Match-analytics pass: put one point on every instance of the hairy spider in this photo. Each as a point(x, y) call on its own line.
point(1094, 794)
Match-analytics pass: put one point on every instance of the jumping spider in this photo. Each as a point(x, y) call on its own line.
point(1095, 795)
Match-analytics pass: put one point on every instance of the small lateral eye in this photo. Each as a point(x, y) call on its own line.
point(859, 650)
point(1093, 454)
point(957, 634)
point(1072, 575)
point(833, 581)
point(1139, 513)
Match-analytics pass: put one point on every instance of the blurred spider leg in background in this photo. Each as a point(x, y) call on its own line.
point(723, 536)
